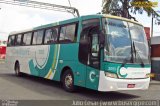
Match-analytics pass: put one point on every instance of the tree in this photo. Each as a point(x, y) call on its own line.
point(124, 8)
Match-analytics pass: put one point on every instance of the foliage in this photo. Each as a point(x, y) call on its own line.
point(124, 8)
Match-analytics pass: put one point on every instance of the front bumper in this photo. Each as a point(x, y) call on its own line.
point(112, 84)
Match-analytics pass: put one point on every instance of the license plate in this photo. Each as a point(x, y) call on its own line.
point(130, 85)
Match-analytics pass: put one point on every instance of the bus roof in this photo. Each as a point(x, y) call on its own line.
point(74, 20)
point(121, 18)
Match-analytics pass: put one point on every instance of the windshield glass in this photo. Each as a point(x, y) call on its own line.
point(119, 36)
point(140, 42)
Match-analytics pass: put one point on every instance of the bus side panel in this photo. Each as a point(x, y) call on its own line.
point(9, 59)
point(43, 62)
point(24, 55)
point(47, 61)
point(32, 59)
point(21, 54)
point(68, 57)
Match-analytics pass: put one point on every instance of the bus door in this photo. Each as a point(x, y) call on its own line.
point(93, 61)
point(89, 52)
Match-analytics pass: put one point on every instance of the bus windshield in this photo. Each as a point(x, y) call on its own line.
point(125, 41)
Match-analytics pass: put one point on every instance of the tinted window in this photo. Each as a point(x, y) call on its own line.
point(38, 37)
point(95, 45)
point(89, 43)
point(90, 23)
point(35, 38)
point(139, 42)
point(68, 33)
point(11, 40)
point(18, 39)
point(27, 38)
point(51, 35)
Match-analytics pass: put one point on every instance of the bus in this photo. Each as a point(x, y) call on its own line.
point(98, 52)
point(3, 45)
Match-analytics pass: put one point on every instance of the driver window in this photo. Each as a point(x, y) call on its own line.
point(89, 43)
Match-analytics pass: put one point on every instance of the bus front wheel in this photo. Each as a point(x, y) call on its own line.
point(68, 81)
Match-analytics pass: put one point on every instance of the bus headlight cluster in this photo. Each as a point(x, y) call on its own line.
point(149, 75)
point(111, 75)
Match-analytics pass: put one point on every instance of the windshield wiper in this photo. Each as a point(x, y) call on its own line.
point(126, 59)
point(136, 52)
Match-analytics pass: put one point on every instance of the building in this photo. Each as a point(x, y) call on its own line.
point(155, 56)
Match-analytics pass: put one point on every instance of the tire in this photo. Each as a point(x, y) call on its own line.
point(17, 69)
point(68, 81)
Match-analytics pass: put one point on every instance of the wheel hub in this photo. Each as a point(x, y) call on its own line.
point(68, 81)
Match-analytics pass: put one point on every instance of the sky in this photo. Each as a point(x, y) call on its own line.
point(15, 18)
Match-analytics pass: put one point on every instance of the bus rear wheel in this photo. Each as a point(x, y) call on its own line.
point(17, 69)
point(68, 81)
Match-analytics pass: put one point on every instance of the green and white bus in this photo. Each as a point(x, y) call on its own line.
point(99, 52)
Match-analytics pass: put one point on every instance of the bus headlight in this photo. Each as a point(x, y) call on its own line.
point(111, 75)
point(147, 75)
point(152, 75)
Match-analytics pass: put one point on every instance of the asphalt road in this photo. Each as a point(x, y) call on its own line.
point(32, 88)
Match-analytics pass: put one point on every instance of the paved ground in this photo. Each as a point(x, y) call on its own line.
point(31, 88)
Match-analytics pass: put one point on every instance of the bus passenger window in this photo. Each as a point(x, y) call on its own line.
point(27, 38)
point(51, 35)
point(38, 37)
point(18, 39)
point(68, 33)
point(34, 38)
point(11, 40)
